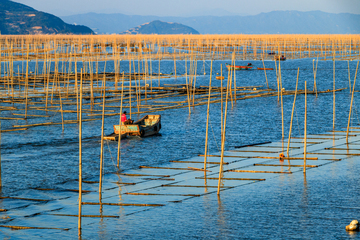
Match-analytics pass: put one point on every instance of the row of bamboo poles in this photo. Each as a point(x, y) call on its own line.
point(65, 71)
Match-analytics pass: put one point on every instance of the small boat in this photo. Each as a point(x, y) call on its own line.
point(265, 69)
point(281, 58)
point(219, 78)
point(147, 126)
point(233, 67)
point(271, 53)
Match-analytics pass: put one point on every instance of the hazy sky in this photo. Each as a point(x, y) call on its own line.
point(189, 7)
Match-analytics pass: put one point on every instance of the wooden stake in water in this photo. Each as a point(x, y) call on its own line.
point(352, 98)
point(223, 136)
point(267, 83)
point(121, 107)
point(334, 95)
point(292, 114)
point(207, 119)
point(349, 74)
point(102, 140)
point(80, 154)
point(305, 129)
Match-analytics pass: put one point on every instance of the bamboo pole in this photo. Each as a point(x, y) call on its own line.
point(292, 113)
point(267, 83)
point(334, 93)
point(352, 98)
point(282, 104)
point(121, 106)
point(62, 113)
point(207, 119)
point(305, 128)
point(80, 155)
point(102, 142)
point(349, 75)
point(223, 137)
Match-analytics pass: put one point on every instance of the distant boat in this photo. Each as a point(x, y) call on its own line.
point(281, 58)
point(271, 53)
point(219, 78)
point(147, 126)
point(233, 67)
point(265, 69)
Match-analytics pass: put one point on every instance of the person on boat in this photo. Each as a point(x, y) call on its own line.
point(123, 117)
point(249, 64)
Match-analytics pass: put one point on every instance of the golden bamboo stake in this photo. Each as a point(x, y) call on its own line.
point(80, 155)
point(223, 136)
point(159, 71)
point(121, 105)
point(207, 119)
point(349, 75)
point(102, 140)
point(62, 113)
point(267, 84)
point(292, 114)
point(187, 87)
point(352, 98)
point(130, 87)
point(334, 94)
point(305, 128)
point(222, 104)
point(282, 107)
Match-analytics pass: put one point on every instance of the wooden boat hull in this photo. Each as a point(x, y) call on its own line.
point(147, 126)
point(265, 69)
point(233, 67)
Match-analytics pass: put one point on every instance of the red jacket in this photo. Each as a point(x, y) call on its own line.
point(123, 117)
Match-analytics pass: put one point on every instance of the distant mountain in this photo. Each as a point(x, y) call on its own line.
point(276, 22)
point(160, 27)
point(17, 18)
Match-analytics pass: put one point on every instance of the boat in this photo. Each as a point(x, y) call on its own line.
point(281, 58)
point(234, 67)
point(147, 126)
point(219, 78)
point(271, 53)
point(265, 69)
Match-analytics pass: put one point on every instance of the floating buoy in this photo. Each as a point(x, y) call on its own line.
point(283, 90)
point(353, 226)
point(281, 156)
point(254, 89)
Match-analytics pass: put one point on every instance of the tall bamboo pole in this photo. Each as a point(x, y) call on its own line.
point(267, 83)
point(222, 104)
point(349, 75)
point(352, 98)
point(334, 94)
point(223, 136)
point(305, 128)
point(282, 104)
point(121, 107)
point(207, 119)
point(292, 113)
point(102, 140)
point(130, 87)
point(80, 155)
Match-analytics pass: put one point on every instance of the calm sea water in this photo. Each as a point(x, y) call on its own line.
point(316, 208)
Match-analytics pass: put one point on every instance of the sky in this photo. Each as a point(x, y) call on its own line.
point(188, 8)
